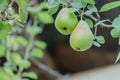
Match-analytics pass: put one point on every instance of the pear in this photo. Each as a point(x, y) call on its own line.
point(65, 21)
point(82, 37)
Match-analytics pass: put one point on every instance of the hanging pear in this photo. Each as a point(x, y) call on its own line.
point(82, 37)
point(65, 21)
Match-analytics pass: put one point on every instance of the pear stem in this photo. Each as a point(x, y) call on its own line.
point(95, 33)
point(82, 13)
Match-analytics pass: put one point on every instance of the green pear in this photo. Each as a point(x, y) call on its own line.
point(65, 21)
point(82, 37)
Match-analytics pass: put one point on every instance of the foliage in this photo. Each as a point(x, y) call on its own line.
point(16, 45)
point(13, 38)
point(84, 9)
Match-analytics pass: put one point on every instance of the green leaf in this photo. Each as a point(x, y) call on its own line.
point(13, 43)
point(36, 52)
point(25, 64)
point(16, 58)
point(119, 41)
point(115, 33)
point(27, 1)
point(91, 9)
point(22, 10)
point(116, 22)
point(34, 30)
point(96, 44)
point(35, 10)
point(109, 6)
point(3, 5)
point(73, 10)
point(53, 10)
point(52, 3)
point(9, 71)
point(88, 1)
point(43, 5)
point(77, 4)
point(32, 75)
point(23, 14)
point(45, 18)
point(5, 28)
point(90, 22)
point(25, 79)
point(64, 2)
point(3, 75)
point(22, 40)
point(100, 39)
point(40, 44)
point(2, 50)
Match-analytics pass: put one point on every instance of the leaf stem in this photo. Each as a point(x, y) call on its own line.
point(27, 53)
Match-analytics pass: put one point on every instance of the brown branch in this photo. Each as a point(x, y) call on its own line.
point(96, 20)
point(49, 70)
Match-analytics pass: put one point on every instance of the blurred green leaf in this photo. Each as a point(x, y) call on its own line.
point(116, 22)
point(53, 10)
point(73, 10)
point(36, 52)
point(64, 2)
point(90, 22)
point(22, 10)
point(5, 28)
point(45, 18)
point(40, 44)
point(3, 75)
point(100, 39)
point(34, 30)
point(96, 44)
point(115, 33)
point(31, 75)
point(14, 44)
point(78, 4)
point(109, 6)
point(119, 41)
point(23, 14)
point(91, 9)
point(25, 79)
point(3, 5)
point(43, 5)
point(25, 64)
point(35, 10)
point(52, 3)
point(9, 71)
point(16, 58)
point(22, 40)
point(2, 50)
point(89, 1)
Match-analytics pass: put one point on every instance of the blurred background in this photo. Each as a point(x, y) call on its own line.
point(61, 57)
point(66, 61)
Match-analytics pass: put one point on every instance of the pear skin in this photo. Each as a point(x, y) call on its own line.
point(82, 37)
point(65, 21)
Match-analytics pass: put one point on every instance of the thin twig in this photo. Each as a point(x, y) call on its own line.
point(48, 69)
point(96, 20)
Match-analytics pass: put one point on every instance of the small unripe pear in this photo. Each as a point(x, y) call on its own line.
point(82, 37)
point(65, 21)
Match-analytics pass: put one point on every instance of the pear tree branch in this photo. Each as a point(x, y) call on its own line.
point(96, 20)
